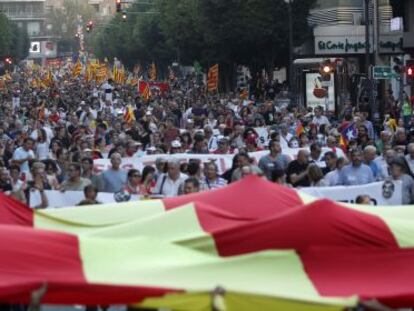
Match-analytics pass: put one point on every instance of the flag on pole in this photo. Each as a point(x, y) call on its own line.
point(145, 90)
point(48, 79)
point(152, 75)
point(101, 73)
point(348, 134)
point(299, 128)
point(129, 115)
point(77, 69)
point(213, 78)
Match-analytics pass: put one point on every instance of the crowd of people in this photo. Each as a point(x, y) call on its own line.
point(51, 135)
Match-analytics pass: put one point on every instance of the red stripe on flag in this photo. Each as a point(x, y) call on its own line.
point(13, 212)
point(322, 223)
point(31, 258)
point(380, 273)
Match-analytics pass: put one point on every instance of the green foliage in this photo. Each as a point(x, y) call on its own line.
point(249, 32)
point(64, 21)
point(14, 41)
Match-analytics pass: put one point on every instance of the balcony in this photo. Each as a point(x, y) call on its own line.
point(25, 15)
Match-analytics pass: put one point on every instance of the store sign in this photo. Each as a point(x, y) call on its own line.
point(34, 47)
point(320, 93)
point(355, 45)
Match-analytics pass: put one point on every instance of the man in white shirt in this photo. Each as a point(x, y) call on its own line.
point(319, 119)
point(24, 154)
point(169, 184)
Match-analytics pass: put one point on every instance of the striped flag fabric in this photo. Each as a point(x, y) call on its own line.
point(299, 128)
point(296, 252)
point(145, 90)
point(77, 69)
point(129, 115)
point(213, 78)
point(101, 73)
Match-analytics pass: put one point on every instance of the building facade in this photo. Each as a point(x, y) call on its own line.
point(31, 16)
point(408, 40)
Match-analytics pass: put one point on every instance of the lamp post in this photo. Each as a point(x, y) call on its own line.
point(290, 72)
point(367, 39)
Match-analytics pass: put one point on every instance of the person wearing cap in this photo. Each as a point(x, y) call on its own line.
point(169, 184)
point(400, 172)
point(176, 147)
point(356, 173)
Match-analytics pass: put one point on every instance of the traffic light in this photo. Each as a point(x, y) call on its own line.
point(124, 16)
point(8, 61)
point(409, 70)
point(326, 69)
point(118, 6)
point(89, 26)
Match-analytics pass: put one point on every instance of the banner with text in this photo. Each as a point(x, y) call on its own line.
point(223, 161)
point(381, 193)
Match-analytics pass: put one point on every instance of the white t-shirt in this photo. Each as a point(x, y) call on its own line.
point(168, 187)
point(20, 154)
point(322, 120)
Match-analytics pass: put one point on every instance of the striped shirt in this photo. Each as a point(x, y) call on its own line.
point(207, 184)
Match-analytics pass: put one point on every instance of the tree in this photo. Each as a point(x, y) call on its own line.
point(65, 20)
point(14, 41)
point(6, 36)
point(232, 32)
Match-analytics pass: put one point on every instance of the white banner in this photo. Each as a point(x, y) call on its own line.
point(263, 136)
point(58, 199)
point(223, 161)
point(381, 193)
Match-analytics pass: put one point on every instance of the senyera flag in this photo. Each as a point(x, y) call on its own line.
point(264, 244)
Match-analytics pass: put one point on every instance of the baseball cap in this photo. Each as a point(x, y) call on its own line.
point(176, 144)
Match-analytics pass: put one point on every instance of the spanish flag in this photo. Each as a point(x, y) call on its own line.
point(213, 78)
point(77, 69)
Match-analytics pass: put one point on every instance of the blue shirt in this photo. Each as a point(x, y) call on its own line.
point(352, 176)
point(113, 181)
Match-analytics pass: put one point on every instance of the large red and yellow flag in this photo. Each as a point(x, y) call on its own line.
point(101, 73)
point(77, 69)
point(297, 253)
point(213, 78)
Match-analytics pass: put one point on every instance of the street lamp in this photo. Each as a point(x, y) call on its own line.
point(291, 78)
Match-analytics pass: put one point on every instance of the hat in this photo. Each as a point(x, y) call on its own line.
point(87, 150)
point(222, 138)
point(176, 144)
